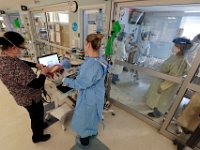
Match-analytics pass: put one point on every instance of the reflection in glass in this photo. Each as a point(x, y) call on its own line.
point(42, 49)
point(161, 92)
point(186, 118)
point(119, 53)
point(40, 25)
point(94, 20)
point(150, 32)
point(57, 50)
point(134, 93)
point(58, 25)
point(196, 78)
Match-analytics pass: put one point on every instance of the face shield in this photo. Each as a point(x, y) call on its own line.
point(23, 51)
point(182, 44)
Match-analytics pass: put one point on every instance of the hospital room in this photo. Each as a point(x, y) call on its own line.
point(100, 75)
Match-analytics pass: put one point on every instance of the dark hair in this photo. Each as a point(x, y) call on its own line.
point(95, 40)
point(11, 39)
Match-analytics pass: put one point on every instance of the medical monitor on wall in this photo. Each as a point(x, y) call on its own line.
point(49, 60)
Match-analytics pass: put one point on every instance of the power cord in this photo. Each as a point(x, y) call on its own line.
point(46, 95)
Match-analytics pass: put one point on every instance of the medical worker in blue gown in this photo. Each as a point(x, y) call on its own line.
point(90, 83)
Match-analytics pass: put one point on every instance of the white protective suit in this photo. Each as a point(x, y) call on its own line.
point(174, 66)
point(143, 50)
point(119, 53)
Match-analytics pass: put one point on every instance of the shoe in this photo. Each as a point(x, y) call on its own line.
point(179, 130)
point(78, 142)
point(44, 138)
point(155, 114)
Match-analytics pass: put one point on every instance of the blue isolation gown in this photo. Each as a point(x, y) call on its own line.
point(66, 63)
point(90, 102)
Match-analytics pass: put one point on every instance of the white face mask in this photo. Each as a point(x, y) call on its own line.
point(145, 38)
point(22, 53)
point(175, 50)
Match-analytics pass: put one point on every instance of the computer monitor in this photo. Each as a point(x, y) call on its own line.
point(49, 60)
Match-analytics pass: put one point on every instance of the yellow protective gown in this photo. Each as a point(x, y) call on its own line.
point(190, 117)
point(174, 66)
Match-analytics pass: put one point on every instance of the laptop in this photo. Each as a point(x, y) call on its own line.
point(49, 60)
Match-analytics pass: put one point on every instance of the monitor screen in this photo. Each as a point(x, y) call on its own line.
point(135, 17)
point(49, 60)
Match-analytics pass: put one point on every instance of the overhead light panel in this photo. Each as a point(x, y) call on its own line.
point(192, 11)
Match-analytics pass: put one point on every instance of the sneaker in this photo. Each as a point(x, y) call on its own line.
point(44, 138)
point(78, 142)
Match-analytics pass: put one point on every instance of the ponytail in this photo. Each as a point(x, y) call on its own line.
point(95, 40)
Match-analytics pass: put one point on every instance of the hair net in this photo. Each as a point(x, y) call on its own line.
point(182, 41)
point(187, 44)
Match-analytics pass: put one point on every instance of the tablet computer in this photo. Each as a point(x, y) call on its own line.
point(49, 60)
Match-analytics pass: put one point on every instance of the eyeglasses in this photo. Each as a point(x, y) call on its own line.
point(22, 47)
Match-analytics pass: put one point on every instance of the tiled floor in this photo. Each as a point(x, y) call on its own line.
point(122, 132)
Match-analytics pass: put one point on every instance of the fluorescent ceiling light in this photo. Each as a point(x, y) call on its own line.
point(172, 18)
point(192, 11)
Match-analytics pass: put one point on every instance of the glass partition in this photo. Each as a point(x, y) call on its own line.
point(196, 78)
point(150, 32)
point(58, 28)
point(2, 25)
point(40, 25)
point(186, 118)
point(93, 20)
point(42, 49)
point(142, 93)
point(146, 42)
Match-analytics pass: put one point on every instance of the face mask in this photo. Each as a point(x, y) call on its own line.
point(23, 53)
point(145, 38)
point(175, 50)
